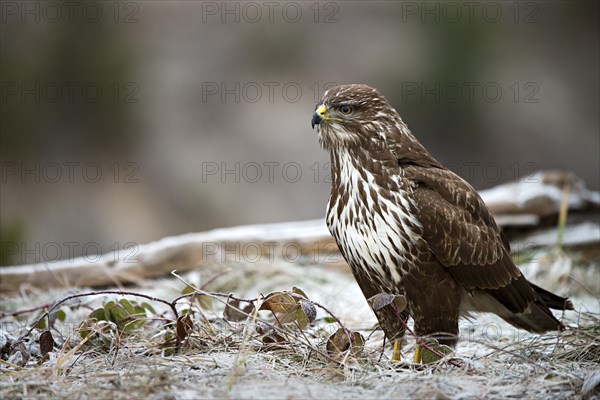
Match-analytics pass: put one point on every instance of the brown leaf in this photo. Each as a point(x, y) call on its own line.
point(290, 307)
point(284, 307)
point(235, 312)
point(18, 354)
point(309, 310)
point(46, 342)
point(269, 335)
point(184, 327)
point(279, 303)
point(339, 343)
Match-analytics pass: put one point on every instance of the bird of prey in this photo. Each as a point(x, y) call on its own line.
point(407, 225)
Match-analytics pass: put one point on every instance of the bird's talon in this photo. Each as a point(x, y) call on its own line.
point(417, 355)
point(396, 351)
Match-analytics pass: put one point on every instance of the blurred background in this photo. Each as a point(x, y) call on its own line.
point(125, 122)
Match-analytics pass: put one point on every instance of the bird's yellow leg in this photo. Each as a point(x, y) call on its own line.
point(417, 356)
point(396, 350)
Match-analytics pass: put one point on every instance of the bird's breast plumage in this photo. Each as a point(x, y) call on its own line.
point(371, 216)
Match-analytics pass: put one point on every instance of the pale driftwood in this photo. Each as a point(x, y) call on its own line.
point(540, 195)
point(180, 253)
point(515, 204)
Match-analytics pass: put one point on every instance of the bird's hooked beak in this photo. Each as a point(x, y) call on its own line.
point(319, 116)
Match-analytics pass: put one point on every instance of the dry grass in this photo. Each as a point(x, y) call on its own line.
point(226, 359)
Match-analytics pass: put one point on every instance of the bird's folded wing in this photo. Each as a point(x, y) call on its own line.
point(460, 230)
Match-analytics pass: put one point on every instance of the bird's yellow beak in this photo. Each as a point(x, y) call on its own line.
point(319, 116)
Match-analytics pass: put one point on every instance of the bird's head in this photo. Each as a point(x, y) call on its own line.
point(354, 115)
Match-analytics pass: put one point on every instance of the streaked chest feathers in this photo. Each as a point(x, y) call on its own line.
point(372, 220)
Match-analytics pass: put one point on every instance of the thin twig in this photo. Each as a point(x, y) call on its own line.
point(96, 293)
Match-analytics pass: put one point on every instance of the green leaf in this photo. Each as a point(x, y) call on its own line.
point(117, 314)
point(42, 324)
point(187, 290)
point(61, 315)
point(204, 301)
point(127, 306)
point(149, 308)
point(400, 302)
point(429, 357)
point(299, 291)
point(95, 316)
point(328, 319)
point(98, 314)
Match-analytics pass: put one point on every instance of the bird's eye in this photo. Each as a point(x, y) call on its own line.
point(345, 109)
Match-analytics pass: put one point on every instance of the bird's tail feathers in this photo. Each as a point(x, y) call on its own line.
point(538, 319)
point(552, 300)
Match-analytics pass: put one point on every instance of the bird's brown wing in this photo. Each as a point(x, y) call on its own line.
point(464, 237)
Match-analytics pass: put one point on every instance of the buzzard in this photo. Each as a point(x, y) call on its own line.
point(407, 225)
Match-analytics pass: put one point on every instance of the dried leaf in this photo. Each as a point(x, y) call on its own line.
point(288, 307)
point(269, 335)
point(235, 312)
point(309, 310)
point(279, 303)
point(18, 355)
point(339, 343)
point(46, 342)
point(184, 327)
point(380, 300)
